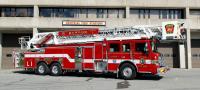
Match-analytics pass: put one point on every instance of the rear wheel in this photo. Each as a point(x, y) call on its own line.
point(127, 71)
point(42, 69)
point(56, 69)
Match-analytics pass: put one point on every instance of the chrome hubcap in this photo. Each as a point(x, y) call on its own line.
point(41, 69)
point(127, 72)
point(55, 69)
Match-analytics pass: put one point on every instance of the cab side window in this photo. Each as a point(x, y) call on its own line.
point(114, 47)
point(140, 47)
point(126, 47)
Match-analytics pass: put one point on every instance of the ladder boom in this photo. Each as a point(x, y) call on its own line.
point(91, 35)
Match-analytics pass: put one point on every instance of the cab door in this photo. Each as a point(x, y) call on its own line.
point(114, 51)
point(114, 54)
point(118, 51)
point(126, 50)
point(141, 50)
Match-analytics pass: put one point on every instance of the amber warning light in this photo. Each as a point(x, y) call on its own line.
point(78, 32)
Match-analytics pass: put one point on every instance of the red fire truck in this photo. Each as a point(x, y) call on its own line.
point(125, 51)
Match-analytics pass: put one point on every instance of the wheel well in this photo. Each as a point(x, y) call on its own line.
point(129, 63)
point(41, 62)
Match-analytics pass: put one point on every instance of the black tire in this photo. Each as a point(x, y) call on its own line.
point(56, 69)
point(42, 69)
point(127, 71)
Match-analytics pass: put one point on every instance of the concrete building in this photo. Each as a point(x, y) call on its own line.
point(27, 17)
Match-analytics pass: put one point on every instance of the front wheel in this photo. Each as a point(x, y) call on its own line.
point(56, 69)
point(127, 71)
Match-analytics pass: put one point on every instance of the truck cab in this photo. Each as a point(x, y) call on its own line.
point(142, 53)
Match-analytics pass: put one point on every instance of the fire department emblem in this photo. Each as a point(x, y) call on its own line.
point(169, 28)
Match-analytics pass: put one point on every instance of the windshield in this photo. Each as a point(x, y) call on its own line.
point(154, 46)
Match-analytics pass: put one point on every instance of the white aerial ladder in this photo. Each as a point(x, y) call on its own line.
point(120, 33)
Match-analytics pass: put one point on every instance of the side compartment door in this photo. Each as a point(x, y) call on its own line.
point(88, 58)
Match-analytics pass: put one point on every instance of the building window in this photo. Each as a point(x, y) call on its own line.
point(107, 14)
point(141, 14)
point(21, 12)
point(148, 13)
point(30, 12)
point(195, 12)
point(164, 14)
point(13, 12)
point(154, 14)
point(56, 12)
point(86, 13)
point(45, 12)
point(157, 13)
point(82, 12)
point(180, 14)
point(70, 13)
point(122, 13)
point(170, 14)
point(112, 13)
point(16, 12)
point(60, 13)
point(7, 12)
point(100, 13)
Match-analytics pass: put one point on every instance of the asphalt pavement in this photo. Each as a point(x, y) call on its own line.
point(175, 79)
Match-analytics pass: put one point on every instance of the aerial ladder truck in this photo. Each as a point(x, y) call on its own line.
point(126, 51)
